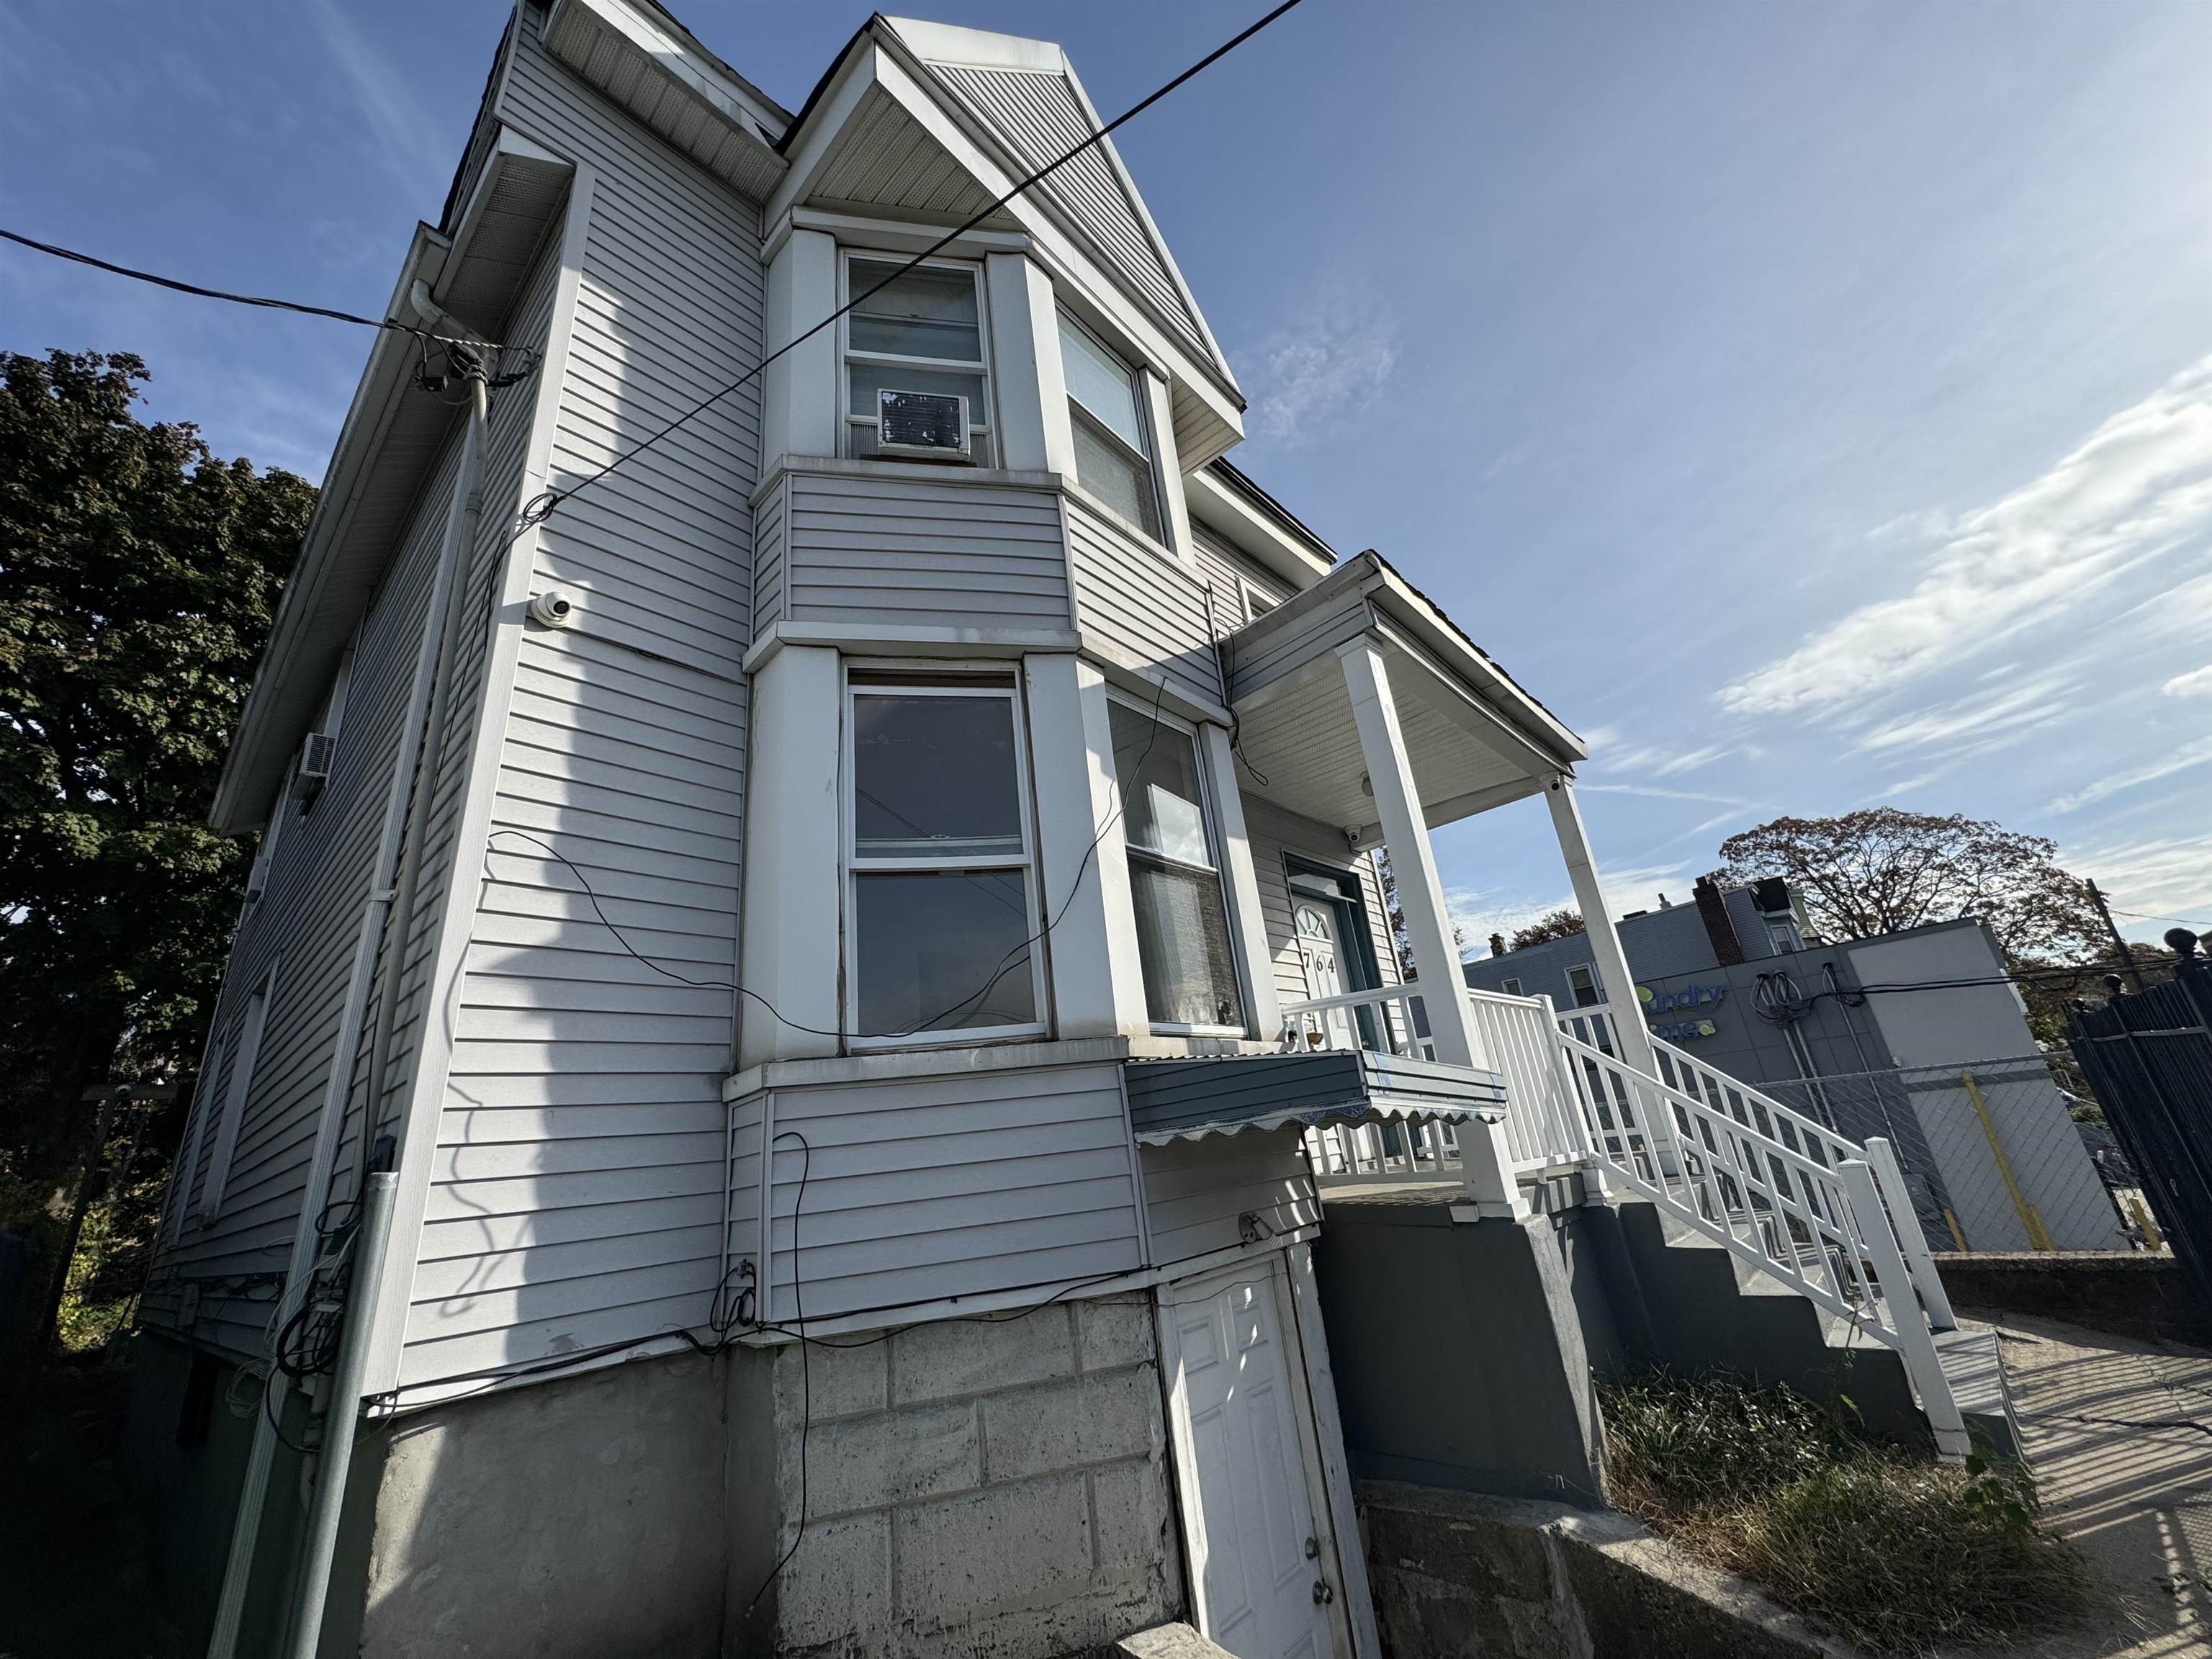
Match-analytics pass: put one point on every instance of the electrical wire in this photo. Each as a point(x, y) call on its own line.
point(194, 288)
point(1005, 965)
point(2145, 915)
point(542, 506)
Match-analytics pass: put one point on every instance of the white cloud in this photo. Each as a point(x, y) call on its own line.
point(414, 141)
point(1983, 721)
point(2140, 483)
point(1656, 758)
point(2151, 883)
point(1330, 365)
point(2190, 754)
point(1652, 791)
point(2196, 682)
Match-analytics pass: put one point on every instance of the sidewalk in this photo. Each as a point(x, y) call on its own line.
point(2119, 1434)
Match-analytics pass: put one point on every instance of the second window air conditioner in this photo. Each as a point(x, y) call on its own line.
point(927, 423)
point(315, 757)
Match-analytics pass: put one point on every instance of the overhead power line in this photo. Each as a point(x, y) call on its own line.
point(543, 507)
point(179, 287)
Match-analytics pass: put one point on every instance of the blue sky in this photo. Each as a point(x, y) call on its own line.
point(1812, 404)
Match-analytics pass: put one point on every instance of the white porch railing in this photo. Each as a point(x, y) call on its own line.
point(1777, 1188)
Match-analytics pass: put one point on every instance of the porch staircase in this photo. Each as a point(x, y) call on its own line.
point(1753, 1237)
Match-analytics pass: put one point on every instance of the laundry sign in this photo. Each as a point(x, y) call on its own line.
point(1667, 1002)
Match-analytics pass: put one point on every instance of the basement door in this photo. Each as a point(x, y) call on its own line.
point(1265, 1570)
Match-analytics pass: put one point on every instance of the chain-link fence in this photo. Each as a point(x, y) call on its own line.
point(1990, 1149)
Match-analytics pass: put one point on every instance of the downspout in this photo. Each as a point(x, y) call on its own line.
point(432, 653)
point(341, 1414)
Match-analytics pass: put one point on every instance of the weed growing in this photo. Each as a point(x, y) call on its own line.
point(1899, 1553)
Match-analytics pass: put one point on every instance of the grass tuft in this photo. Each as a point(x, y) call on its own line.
point(1899, 1553)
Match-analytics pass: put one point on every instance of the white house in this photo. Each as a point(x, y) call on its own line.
point(772, 1047)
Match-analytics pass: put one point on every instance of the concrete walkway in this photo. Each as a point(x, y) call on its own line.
point(2119, 1434)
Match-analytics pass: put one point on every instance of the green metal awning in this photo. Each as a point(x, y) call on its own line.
point(1225, 1094)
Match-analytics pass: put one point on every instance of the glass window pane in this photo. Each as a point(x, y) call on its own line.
point(1114, 477)
point(925, 313)
point(1103, 385)
point(934, 777)
point(1182, 942)
point(942, 952)
point(1157, 767)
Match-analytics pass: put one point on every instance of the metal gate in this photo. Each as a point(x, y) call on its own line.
point(2149, 1056)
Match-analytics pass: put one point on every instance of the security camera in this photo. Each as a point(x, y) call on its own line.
point(553, 609)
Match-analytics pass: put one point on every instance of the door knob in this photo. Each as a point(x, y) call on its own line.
point(1323, 1593)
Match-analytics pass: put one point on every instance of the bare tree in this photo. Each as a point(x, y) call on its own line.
point(1880, 870)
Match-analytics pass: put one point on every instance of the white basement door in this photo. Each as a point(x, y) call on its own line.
point(1265, 1574)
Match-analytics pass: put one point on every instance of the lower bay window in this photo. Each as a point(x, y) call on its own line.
point(942, 908)
point(1183, 940)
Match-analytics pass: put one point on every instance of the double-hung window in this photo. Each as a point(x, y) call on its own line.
point(1175, 878)
point(1113, 434)
point(921, 331)
point(942, 907)
point(1582, 985)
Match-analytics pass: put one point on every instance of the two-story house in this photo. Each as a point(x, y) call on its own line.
point(804, 917)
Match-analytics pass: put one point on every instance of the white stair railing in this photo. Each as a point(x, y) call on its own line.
point(1775, 1187)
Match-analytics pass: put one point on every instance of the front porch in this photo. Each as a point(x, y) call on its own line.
point(1361, 707)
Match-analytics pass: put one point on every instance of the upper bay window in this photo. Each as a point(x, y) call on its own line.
point(1112, 430)
point(942, 902)
point(1175, 878)
point(920, 331)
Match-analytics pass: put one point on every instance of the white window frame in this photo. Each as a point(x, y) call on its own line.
point(983, 420)
point(1510, 986)
point(1596, 985)
point(1209, 820)
point(237, 1089)
point(1139, 393)
point(934, 683)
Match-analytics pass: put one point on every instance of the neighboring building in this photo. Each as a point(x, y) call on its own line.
point(950, 1287)
point(1738, 977)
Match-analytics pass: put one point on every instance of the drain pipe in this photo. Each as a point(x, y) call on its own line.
point(403, 792)
point(344, 1416)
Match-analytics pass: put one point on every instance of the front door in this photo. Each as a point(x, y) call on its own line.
point(1320, 948)
point(1266, 1573)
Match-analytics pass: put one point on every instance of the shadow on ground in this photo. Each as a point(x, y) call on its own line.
point(2119, 1433)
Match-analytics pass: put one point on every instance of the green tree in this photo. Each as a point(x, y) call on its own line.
point(138, 575)
point(1557, 924)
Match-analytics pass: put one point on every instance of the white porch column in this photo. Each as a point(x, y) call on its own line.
point(1605, 954)
point(1098, 979)
point(793, 835)
point(1488, 1172)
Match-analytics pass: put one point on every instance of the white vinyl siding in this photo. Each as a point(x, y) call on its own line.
point(1196, 1192)
point(578, 1181)
point(1137, 607)
point(922, 1189)
point(1242, 591)
point(938, 551)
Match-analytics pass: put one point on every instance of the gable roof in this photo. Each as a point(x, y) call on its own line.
point(1025, 95)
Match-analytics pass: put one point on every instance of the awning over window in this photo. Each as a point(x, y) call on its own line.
point(1184, 1099)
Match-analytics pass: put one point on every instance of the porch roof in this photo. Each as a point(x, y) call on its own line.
point(1474, 739)
point(1224, 1094)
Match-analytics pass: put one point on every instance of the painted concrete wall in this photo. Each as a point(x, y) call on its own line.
point(994, 1488)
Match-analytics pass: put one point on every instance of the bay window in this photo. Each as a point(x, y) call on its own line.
point(1113, 436)
point(921, 331)
point(1175, 878)
point(942, 902)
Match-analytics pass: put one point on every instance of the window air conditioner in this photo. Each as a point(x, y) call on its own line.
point(315, 757)
point(932, 423)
